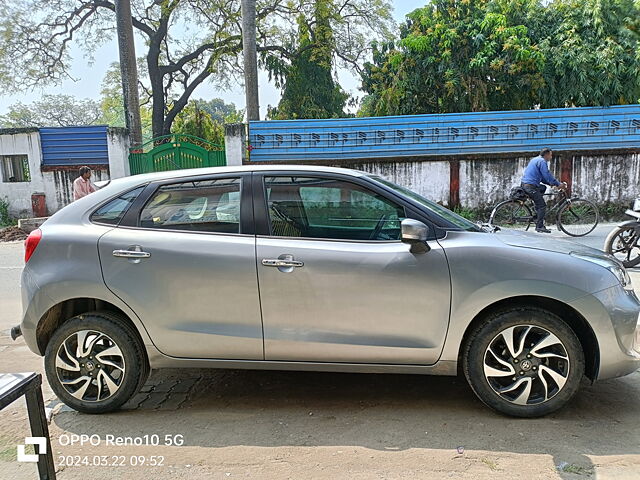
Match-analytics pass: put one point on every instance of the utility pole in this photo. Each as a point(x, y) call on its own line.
point(128, 71)
point(249, 50)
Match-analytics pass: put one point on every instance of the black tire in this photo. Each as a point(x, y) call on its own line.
point(511, 214)
point(578, 217)
point(546, 395)
point(622, 243)
point(110, 371)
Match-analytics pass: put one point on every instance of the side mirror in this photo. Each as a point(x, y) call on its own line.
point(415, 233)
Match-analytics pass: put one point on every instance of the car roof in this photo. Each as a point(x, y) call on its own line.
point(150, 177)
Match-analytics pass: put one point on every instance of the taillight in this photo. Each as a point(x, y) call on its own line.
point(31, 243)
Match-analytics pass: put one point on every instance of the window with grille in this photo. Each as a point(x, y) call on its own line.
point(15, 168)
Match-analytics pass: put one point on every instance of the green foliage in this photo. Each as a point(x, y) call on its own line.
point(193, 120)
point(221, 111)
point(473, 214)
point(112, 103)
point(5, 219)
point(592, 57)
point(52, 111)
point(310, 90)
point(206, 119)
point(454, 56)
point(476, 55)
point(612, 212)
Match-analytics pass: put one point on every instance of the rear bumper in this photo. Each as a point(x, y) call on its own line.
point(33, 301)
point(614, 316)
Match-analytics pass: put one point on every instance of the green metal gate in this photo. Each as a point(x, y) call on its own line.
point(175, 152)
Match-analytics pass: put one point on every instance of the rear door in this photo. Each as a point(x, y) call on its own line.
point(184, 261)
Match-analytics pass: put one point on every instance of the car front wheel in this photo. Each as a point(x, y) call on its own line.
point(95, 363)
point(524, 362)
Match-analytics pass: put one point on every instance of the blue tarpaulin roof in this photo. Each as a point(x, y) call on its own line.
point(85, 145)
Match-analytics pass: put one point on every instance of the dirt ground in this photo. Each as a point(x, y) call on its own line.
point(293, 425)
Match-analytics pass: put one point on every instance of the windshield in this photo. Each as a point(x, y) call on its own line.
point(433, 207)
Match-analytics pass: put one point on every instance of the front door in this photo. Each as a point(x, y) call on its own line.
point(337, 285)
point(189, 272)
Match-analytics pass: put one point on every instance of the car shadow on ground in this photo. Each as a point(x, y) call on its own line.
point(222, 408)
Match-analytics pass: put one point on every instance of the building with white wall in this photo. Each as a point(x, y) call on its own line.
point(45, 161)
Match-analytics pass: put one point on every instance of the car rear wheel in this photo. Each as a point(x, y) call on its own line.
point(94, 362)
point(524, 362)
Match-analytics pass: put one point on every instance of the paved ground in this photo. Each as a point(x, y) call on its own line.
point(243, 424)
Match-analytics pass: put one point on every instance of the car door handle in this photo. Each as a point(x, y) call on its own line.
point(131, 254)
point(277, 262)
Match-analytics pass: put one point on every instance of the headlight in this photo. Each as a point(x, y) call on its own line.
point(610, 264)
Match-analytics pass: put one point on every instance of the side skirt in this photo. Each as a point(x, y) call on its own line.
point(159, 360)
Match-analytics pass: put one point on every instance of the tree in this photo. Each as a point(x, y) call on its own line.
point(128, 70)
point(206, 119)
point(189, 42)
point(112, 104)
point(310, 90)
point(250, 55)
point(194, 120)
point(592, 56)
point(53, 111)
point(454, 56)
point(220, 111)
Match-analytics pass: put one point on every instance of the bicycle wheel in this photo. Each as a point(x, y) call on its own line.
point(511, 214)
point(578, 217)
point(622, 243)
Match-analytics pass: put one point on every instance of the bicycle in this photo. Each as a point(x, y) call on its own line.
point(574, 216)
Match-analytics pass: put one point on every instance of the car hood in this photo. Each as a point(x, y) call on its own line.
point(538, 242)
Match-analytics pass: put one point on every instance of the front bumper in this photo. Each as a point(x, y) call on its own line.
point(614, 316)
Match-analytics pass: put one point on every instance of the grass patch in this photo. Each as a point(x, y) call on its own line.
point(473, 214)
point(5, 219)
point(575, 469)
point(613, 212)
point(8, 448)
point(490, 463)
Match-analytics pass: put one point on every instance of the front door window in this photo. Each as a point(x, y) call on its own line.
point(329, 208)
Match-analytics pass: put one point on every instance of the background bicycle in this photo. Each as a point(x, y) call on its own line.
point(574, 216)
point(623, 242)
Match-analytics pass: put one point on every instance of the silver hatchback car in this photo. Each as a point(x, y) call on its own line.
point(314, 268)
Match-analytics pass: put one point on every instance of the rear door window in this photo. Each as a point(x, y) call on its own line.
point(112, 212)
point(201, 206)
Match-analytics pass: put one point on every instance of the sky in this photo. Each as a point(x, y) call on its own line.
point(88, 76)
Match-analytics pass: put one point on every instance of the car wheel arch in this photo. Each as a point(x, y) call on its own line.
point(568, 314)
point(65, 310)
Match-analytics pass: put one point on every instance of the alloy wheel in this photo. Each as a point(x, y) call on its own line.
point(526, 364)
point(90, 366)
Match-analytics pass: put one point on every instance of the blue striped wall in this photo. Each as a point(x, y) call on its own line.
point(572, 129)
point(86, 145)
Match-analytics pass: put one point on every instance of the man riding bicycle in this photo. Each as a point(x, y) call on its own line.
point(536, 177)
